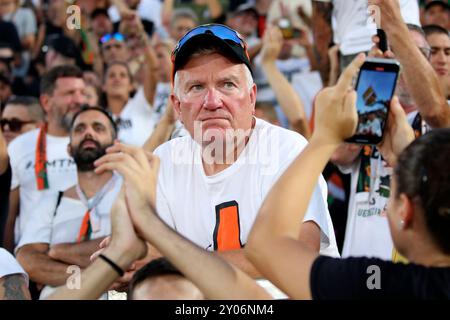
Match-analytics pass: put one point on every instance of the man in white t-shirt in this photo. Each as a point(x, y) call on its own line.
point(68, 226)
point(213, 182)
point(39, 158)
point(13, 279)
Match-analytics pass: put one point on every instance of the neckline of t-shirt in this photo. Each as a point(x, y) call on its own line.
point(218, 177)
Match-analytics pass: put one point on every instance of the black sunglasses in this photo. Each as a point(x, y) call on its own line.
point(14, 124)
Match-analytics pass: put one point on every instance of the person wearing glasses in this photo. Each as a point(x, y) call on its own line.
point(21, 114)
point(131, 87)
point(113, 48)
point(213, 181)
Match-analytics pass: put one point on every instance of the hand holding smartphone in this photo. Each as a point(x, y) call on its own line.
point(375, 88)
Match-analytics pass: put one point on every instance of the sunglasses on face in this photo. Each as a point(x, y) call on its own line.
point(107, 47)
point(107, 37)
point(14, 124)
point(218, 30)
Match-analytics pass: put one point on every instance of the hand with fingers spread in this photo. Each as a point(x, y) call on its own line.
point(139, 170)
point(335, 110)
point(398, 134)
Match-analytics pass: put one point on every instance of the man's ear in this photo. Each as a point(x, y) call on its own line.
point(45, 102)
point(253, 92)
point(176, 106)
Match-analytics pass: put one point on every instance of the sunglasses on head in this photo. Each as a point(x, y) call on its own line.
point(218, 30)
point(14, 124)
point(107, 37)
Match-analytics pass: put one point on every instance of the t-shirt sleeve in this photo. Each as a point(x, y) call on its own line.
point(369, 278)
point(9, 265)
point(317, 209)
point(13, 153)
point(38, 229)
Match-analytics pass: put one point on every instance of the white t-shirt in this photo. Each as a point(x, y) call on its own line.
point(62, 224)
point(136, 120)
point(353, 27)
point(61, 171)
point(9, 265)
point(139, 118)
point(147, 9)
point(192, 203)
point(367, 231)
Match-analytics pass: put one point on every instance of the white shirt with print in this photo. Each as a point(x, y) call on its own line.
point(367, 230)
point(189, 201)
point(61, 172)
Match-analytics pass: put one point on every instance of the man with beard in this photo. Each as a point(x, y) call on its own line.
point(39, 158)
point(69, 226)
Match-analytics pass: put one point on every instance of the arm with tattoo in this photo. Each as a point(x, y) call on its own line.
point(14, 287)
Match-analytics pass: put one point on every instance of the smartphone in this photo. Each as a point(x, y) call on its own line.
point(383, 44)
point(375, 87)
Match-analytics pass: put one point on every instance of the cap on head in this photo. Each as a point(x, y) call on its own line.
point(245, 7)
point(205, 35)
point(440, 3)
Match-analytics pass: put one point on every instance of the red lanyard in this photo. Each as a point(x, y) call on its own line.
point(40, 167)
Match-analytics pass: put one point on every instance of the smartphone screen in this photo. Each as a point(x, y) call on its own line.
point(375, 87)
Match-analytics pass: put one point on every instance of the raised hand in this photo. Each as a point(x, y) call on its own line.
point(336, 117)
point(398, 134)
point(139, 170)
